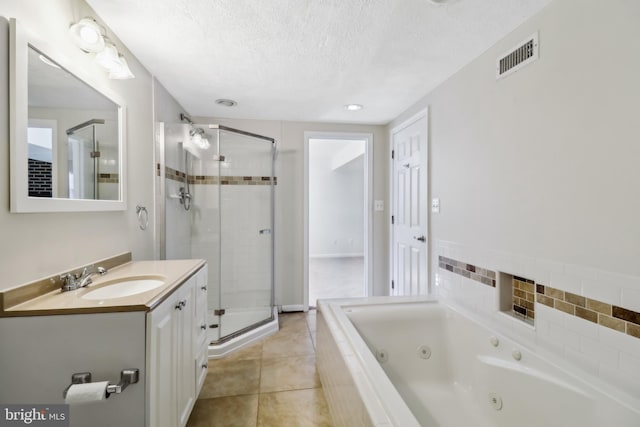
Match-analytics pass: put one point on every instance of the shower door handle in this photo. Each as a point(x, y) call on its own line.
point(265, 231)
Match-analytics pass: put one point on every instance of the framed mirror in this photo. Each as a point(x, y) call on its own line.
point(66, 137)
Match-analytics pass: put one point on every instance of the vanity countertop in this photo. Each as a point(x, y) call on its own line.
point(172, 272)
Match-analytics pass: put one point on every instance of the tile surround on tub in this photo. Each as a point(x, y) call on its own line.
point(470, 271)
point(584, 307)
point(611, 316)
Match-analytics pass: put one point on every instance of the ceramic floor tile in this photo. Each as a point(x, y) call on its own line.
point(299, 408)
point(288, 344)
point(254, 351)
point(231, 378)
point(311, 320)
point(293, 322)
point(313, 339)
point(233, 411)
point(288, 373)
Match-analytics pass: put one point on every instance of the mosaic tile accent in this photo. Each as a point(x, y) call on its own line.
point(470, 271)
point(176, 175)
point(524, 296)
point(607, 315)
point(40, 179)
point(171, 173)
point(112, 178)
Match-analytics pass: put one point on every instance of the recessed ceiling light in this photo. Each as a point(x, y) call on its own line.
point(226, 102)
point(353, 107)
point(438, 2)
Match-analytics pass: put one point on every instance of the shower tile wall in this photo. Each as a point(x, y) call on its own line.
point(245, 261)
point(108, 177)
point(599, 348)
point(177, 220)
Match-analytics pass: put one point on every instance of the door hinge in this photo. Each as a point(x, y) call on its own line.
point(393, 154)
point(218, 312)
point(393, 220)
point(393, 285)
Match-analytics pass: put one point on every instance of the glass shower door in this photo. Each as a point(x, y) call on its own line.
point(83, 164)
point(245, 172)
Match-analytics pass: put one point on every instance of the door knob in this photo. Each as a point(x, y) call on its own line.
point(420, 239)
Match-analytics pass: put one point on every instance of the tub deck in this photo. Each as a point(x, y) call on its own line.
point(422, 363)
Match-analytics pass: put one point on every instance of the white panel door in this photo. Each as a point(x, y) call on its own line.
point(410, 217)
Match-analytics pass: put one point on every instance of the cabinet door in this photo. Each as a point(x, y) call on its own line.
point(186, 376)
point(161, 369)
point(201, 326)
point(202, 365)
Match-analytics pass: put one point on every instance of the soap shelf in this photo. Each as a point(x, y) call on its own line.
point(127, 376)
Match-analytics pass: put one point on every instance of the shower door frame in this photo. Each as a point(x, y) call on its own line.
point(272, 200)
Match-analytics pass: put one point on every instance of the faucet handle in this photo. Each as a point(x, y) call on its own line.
point(69, 281)
point(101, 271)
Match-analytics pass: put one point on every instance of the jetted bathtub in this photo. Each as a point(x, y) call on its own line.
point(422, 363)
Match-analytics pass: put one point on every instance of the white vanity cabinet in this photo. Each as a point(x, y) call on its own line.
point(177, 353)
point(161, 332)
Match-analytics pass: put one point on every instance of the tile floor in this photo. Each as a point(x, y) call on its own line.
point(336, 278)
point(270, 384)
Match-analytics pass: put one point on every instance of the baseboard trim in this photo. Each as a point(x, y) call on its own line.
point(292, 308)
point(361, 255)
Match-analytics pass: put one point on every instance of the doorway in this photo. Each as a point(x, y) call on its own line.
point(337, 216)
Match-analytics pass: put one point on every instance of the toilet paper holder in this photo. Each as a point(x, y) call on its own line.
point(127, 376)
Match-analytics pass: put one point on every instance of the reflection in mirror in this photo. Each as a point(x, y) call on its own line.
point(73, 146)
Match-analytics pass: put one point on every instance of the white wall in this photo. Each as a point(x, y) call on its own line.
point(289, 205)
point(543, 163)
point(537, 174)
point(336, 200)
point(38, 245)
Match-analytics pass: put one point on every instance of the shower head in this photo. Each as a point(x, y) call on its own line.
point(198, 138)
point(196, 131)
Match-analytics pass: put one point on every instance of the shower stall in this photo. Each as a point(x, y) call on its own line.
point(219, 204)
point(84, 153)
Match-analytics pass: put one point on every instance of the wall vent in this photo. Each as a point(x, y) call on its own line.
point(523, 54)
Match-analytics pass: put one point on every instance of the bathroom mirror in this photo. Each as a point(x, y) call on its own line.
point(67, 138)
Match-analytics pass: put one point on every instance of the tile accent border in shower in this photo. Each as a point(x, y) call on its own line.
point(470, 271)
point(179, 176)
point(609, 315)
point(112, 178)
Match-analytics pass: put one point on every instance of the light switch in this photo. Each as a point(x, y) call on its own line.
point(435, 205)
point(378, 205)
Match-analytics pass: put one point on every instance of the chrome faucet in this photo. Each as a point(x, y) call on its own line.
point(75, 281)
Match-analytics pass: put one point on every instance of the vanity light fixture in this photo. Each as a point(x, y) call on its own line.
point(122, 72)
point(108, 58)
point(88, 36)
point(353, 107)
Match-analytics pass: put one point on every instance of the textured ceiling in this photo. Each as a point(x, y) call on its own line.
point(306, 59)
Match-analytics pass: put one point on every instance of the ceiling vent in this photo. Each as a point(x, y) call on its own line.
point(523, 54)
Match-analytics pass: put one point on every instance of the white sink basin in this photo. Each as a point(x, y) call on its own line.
point(124, 288)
